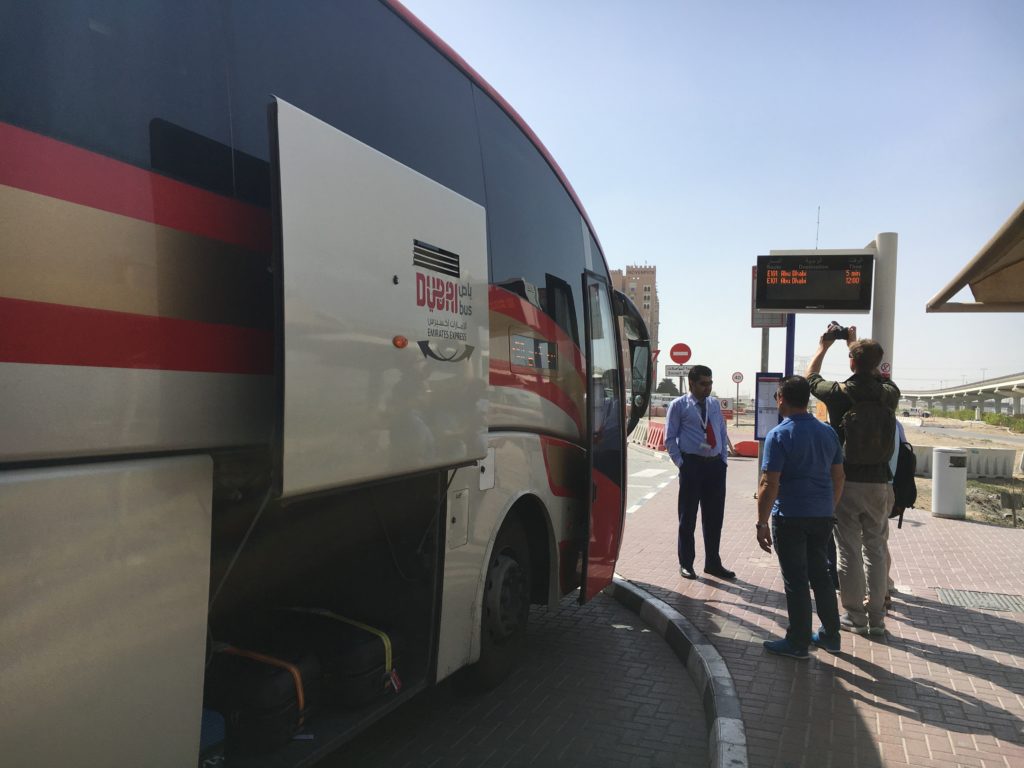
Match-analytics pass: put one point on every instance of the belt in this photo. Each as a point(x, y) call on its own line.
point(698, 457)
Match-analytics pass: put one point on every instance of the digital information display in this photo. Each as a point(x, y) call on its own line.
point(766, 413)
point(815, 282)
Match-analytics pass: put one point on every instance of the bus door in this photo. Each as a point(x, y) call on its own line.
point(606, 436)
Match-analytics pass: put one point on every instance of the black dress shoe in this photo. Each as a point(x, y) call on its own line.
point(721, 572)
point(687, 573)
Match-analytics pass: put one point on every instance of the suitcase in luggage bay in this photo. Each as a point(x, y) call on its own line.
point(358, 662)
point(211, 739)
point(265, 698)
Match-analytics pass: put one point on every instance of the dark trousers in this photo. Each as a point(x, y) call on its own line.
point(701, 484)
point(802, 546)
point(833, 560)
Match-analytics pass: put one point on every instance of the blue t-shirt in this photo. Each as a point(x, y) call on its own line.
point(803, 450)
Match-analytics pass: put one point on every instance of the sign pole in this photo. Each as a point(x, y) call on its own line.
point(737, 378)
point(650, 405)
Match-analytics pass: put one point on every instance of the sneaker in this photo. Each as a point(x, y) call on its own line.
point(846, 623)
point(877, 630)
point(827, 642)
point(785, 648)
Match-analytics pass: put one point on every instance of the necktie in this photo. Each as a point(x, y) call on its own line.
point(708, 431)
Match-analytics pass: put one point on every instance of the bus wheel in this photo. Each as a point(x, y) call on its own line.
point(505, 610)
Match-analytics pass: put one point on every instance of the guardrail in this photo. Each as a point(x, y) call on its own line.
point(639, 433)
point(656, 437)
point(981, 462)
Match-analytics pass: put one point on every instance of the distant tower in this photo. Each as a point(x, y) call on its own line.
point(640, 283)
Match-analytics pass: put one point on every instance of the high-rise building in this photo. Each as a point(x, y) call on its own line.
point(640, 283)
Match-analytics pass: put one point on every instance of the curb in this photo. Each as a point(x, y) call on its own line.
point(727, 739)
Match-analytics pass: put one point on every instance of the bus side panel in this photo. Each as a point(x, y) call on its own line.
point(135, 309)
point(523, 466)
point(70, 410)
point(106, 580)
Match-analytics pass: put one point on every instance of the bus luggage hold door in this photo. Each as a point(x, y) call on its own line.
point(605, 430)
point(382, 334)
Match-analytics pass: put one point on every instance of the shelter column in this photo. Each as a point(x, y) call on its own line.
point(883, 309)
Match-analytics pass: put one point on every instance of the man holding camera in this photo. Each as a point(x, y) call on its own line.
point(862, 410)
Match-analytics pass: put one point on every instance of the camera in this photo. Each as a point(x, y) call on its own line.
point(837, 332)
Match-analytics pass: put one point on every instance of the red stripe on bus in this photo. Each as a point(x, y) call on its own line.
point(56, 334)
point(501, 377)
point(504, 302)
point(54, 168)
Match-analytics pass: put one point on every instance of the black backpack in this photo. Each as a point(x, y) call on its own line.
point(904, 486)
point(869, 428)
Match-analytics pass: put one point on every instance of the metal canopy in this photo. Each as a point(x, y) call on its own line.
point(995, 275)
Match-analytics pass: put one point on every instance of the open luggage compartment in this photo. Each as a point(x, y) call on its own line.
point(331, 601)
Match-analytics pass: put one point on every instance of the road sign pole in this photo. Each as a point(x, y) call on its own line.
point(790, 342)
point(737, 378)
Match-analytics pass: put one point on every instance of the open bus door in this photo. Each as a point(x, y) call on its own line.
point(606, 425)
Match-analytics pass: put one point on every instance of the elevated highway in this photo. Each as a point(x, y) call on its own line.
point(1003, 392)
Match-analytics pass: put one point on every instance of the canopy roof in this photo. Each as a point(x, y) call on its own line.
point(995, 275)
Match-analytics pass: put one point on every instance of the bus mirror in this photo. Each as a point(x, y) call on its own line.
point(639, 353)
point(641, 375)
point(632, 321)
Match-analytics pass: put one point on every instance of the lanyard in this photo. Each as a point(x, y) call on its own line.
point(703, 419)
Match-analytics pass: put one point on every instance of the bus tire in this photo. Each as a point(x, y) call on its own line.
point(505, 609)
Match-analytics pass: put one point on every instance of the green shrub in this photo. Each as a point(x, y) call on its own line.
point(1015, 423)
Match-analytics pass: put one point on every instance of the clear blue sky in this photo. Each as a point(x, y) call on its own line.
point(701, 134)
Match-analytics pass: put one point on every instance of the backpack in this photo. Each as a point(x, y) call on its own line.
point(904, 487)
point(870, 428)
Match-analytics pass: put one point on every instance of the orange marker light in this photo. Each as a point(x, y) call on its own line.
point(400, 342)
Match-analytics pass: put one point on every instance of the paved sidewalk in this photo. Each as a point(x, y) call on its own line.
point(945, 687)
point(599, 689)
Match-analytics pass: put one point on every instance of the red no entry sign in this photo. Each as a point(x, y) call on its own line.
point(679, 353)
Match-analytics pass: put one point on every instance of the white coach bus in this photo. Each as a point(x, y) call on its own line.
point(295, 313)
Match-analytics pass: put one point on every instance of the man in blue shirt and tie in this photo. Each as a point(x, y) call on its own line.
point(696, 440)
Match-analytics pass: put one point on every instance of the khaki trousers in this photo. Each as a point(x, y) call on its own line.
point(862, 535)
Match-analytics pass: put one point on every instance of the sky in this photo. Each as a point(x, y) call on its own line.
point(698, 135)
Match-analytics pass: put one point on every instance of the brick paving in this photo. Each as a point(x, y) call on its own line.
point(945, 687)
point(599, 689)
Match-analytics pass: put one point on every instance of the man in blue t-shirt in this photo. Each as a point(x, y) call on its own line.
point(801, 482)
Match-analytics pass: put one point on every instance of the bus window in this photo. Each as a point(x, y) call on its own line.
point(533, 227)
point(95, 76)
point(358, 67)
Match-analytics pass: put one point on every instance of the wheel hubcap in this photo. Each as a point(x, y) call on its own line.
point(504, 597)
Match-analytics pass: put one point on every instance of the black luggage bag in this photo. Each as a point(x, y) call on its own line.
point(265, 698)
point(358, 662)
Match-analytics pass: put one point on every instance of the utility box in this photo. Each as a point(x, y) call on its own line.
point(949, 483)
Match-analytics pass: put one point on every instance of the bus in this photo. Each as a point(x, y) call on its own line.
point(299, 321)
